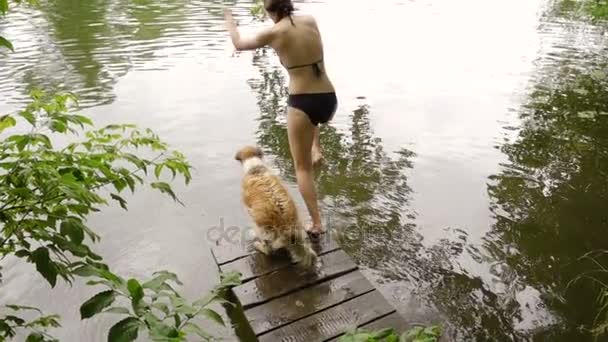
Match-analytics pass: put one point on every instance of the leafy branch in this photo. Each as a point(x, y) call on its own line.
point(417, 334)
point(10, 324)
point(47, 191)
point(154, 305)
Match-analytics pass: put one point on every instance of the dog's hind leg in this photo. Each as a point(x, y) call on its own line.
point(262, 247)
point(264, 241)
point(279, 243)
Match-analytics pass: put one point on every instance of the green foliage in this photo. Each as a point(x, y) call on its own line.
point(155, 305)
point(257, 10)
point(596, 10)
point(47, 191)
point(10, 324)
point(418, 334)
point(6, 43)
point(598, 277)
point(422, 334)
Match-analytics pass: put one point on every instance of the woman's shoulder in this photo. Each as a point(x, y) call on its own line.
point(306, 18)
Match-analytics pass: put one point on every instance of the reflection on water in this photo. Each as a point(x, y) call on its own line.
point(86, 46)
point(550, 200)
point(366, 196)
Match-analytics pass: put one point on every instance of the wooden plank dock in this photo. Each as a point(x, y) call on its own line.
point(279, 301)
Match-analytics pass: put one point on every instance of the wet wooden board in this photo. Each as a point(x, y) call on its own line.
point(333, 322)
point(280, 301)
point(289, 279)
point(226, 251)
point(310, 300)
point(257, 264)
point(393, 320)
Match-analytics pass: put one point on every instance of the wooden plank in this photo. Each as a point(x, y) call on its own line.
point(289, 279)
point(393, 320)
point(332, 322)
point(225, 252)
point(258, 264)
point(307, 301)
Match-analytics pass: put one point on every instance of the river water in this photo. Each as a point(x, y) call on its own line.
point(466, 165)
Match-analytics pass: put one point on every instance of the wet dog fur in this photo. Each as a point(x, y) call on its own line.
point(272, 209)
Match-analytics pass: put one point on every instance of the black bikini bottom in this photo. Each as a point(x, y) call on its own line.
point(319, 107)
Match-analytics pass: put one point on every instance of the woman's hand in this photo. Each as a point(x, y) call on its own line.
point(230, 23)
point(259, 40)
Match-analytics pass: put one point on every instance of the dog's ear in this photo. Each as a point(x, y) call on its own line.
point(258, 152)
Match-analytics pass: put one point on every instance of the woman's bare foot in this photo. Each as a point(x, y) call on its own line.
point(314, 231)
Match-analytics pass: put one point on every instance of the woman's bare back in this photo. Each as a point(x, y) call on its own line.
point(298, 43)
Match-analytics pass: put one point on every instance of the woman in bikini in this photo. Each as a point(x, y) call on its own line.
point(312, 98)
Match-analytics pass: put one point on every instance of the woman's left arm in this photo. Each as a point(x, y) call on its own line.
point(257, 41)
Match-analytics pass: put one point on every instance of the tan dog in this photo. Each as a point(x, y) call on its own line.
point(272, 209)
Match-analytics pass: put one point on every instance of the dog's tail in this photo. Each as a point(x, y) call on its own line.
point(300, 250)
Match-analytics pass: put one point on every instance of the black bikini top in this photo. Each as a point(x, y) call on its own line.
point(315, 66)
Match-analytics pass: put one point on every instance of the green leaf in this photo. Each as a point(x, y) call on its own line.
point(133, 159)
point(73, 229)
point(135, 290)
point(230, 279)
point(119, 184)
point(6, 43)
point(23, 308)
point(125, 330)
point(58, 126)
point(384, 333)
point(44, 265)
point(157, 327)
point(392, 338)
point(29, 116)
point(434, 331)
point(162, 307)
point(137, 294)
point(35, 337)
point(86, 271)
point(158, 170)
point(130, 183)
point(100, 282)
point(159, 279)
point(166, 189)
point(3, 6)
point(183, 308)
point(83, 120)
point(43, 139)
point(97, 303)
point(118, 310)
point(120, 200)
point(193, 328)
point(100, 270)
point(214, 316)
point(22, 253)
point(20, 140)
point(6, 121)
point(14, 319)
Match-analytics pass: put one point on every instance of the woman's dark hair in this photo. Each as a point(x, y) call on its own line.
point(283, 8)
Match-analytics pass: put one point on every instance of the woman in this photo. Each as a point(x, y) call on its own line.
point(312, 100)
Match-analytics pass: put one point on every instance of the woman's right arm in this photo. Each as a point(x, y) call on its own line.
point(256, 41)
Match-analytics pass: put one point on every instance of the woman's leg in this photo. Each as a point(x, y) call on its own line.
point(301, 134)
point(317, 154)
